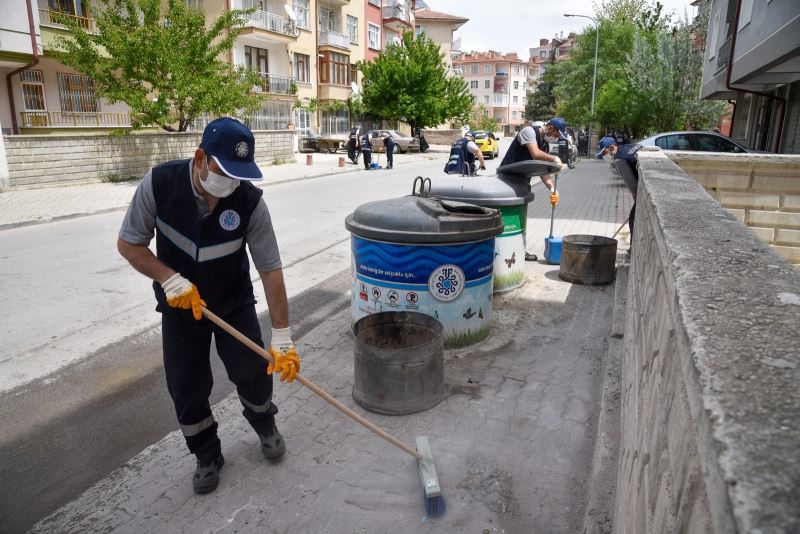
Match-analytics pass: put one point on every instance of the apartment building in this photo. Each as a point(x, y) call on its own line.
point(499, 82)
point(439, 27)
point(558, 49)
point(304, 50)
point(752, 58)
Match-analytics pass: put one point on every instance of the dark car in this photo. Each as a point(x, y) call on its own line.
point(698, 141)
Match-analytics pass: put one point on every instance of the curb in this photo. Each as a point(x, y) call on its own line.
point(599, 514)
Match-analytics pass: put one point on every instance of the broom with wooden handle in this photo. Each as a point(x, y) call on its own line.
point(434, 501)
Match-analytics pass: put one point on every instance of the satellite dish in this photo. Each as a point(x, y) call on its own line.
point(290, 11)
point(356, 89)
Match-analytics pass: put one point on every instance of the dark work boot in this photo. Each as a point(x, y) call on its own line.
point(272, 444)
point(206, 475)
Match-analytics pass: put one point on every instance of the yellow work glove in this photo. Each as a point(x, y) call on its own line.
point(554, 198)
point(284, 355)
point(181, 293)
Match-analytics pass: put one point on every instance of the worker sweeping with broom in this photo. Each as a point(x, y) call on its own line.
point(530, 144)
point(203, 211)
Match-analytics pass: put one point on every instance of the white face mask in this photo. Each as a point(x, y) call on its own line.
point(218, 185)
point(608, 156)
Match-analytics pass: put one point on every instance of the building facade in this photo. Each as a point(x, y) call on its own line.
point(752, 58)
point(558, 49)
point(305, 51)
point(499, 83)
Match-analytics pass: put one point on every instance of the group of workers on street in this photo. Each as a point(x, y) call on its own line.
point(205, 213)
point(361, 145)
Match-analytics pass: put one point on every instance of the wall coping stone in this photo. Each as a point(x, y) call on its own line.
point(739, 303)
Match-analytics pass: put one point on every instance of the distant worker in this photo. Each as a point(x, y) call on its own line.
point(624, 159)
point(366, 150)
point(462, 157)
point(352, 144)
point(388, 145)
point(530, 144)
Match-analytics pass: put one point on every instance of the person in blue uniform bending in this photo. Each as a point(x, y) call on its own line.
point(463, 154)
point(204, 213)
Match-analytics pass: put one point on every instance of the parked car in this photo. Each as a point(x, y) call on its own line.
point(699, 141)
point(402, 143)
point(487, 142)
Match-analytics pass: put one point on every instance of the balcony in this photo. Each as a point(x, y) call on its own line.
point(336, 3)
point(723, 53)
point(59, 19)
point(397, 19)
point(334, 39)
point(74, 119)
point(271, 27)
point(275, 84)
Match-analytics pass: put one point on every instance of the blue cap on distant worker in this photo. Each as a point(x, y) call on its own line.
point(233, 147)
point(559, 124)
point(603, 144)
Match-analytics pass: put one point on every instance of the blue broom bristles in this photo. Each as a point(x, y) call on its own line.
point(435, 506)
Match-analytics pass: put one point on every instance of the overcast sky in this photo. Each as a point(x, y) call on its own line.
point(516, 25)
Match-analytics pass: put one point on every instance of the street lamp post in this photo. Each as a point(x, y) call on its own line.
point(594, 76)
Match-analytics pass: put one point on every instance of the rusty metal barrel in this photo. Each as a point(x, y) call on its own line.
point(588, 259)
point(399, 362)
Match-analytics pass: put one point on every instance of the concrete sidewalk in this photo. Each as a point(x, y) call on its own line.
point(23, 206)
point(513, 441)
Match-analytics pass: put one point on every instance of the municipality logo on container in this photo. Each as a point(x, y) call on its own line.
point(229, 220)
point(446, 282)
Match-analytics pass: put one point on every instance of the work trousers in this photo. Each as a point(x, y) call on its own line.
point(367, 157)
point(390, 154)
point(187, 347)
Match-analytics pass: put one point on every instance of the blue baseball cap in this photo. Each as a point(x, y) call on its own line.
point(603, 144)
point(559, 124)
point(233, 147)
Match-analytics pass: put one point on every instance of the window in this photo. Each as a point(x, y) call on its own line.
point(33, 90)
point(352, 29)
point(487, 69)
point(392, 38)
point(712, 143)
point(473, 84)
point(302, 73)
point(543, 54)
point(418, 30)
point(485, 99)
point(334, 68)
point(515, 101)
point(516, 85)
point(302, 121)
point(674, 142)
point(273, 115)
point(487, 84)
point(197, 4)
point(374, 36)
point(516, 69)
point(376, 3)
point(499, 98)
point(257, 59)
point(327, 20)
point(76, 93)
point(514, 114)
point(474, 69)
point(301, 11)
point(746, 12)
point(524, 86)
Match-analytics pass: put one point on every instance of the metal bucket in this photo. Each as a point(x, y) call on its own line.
point(588, 259)
point(399, 362)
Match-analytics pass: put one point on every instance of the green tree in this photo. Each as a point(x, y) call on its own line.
point(409, 82)
point(163, 64)
point(481, 120)
point(540, 104)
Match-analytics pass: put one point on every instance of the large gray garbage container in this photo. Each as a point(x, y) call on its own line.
point(422, 254)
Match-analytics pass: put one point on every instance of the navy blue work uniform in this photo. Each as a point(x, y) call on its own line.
point(210, 251)
point(366, 151)
point(462, 160)
point(388, 144)
point(625, 160)
point(519, 152)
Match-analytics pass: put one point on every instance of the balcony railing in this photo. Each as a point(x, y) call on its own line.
point(277, 85)
point(51, 17)
point(722, 54)
point(339, 40)
point(74, 119)
point(397, 12)
point(272, 22)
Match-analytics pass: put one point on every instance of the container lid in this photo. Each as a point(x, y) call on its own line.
point(527, 169)
point(420, 219)
point(483, 191)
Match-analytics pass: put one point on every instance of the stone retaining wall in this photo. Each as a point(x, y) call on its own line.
point(48, 160)
point(761, 190)
point(441, 137)
point(710, 431)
